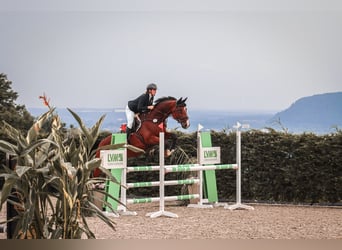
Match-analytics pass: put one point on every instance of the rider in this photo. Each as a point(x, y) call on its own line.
point(142, 104)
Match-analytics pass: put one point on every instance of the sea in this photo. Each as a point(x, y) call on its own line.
point(217, 120)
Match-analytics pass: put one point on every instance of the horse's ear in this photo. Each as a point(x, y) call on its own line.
point(181, 101)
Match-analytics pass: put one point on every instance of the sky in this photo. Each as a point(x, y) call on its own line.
point(228, 55)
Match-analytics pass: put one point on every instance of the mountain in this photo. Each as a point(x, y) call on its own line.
point(318, 114)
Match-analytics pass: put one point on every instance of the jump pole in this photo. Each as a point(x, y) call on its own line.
point(238, 204)
point(161, 211)
point(166, 183)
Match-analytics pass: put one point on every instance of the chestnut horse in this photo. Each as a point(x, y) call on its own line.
point(154, 122)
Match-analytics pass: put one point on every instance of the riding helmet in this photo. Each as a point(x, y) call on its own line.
point(151, 86)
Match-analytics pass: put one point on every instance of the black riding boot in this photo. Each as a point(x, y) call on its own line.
point(128, 132)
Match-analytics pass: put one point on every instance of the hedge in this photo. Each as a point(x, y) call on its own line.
point(276, 167)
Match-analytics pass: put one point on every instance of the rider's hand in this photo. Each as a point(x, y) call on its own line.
point(150, 107)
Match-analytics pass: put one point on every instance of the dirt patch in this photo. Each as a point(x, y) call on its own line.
point(264, 222)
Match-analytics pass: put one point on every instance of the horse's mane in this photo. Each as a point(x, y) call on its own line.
point(163, 99)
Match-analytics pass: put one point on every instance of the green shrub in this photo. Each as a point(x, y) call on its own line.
point(50, 187)
point(276, 166)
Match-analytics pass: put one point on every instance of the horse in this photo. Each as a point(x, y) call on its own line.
point(152, 123)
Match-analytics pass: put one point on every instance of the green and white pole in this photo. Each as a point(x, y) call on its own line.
point(166, 198)
point(166, 183)
point(196, 167)
point(142, 169)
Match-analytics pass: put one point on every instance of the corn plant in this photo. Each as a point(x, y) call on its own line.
point(51, 186)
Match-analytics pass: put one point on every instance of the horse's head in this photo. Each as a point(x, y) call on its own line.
point(180, 113)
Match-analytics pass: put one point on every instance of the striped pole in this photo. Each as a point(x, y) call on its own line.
point(182, 168)
point(166, 198)
point(156, 168)
point(166, 183)
point(185, 168)
point(142, 169)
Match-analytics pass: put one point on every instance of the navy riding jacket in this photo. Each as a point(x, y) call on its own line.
point(139, 105)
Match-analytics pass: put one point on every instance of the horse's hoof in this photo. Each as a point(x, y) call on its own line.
point(168, 152)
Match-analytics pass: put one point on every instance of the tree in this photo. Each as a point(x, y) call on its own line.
point(12, 113)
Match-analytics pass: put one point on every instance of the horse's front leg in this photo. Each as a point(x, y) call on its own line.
point(170, 147)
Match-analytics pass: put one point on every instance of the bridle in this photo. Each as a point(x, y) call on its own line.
point(180, 119)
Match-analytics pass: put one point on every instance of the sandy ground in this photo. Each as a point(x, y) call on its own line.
point(264, 222)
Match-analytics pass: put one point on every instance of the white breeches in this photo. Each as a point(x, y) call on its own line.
point(130, 117)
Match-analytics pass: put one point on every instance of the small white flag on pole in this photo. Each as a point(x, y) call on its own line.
point(238, 125)
point(199, 127)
